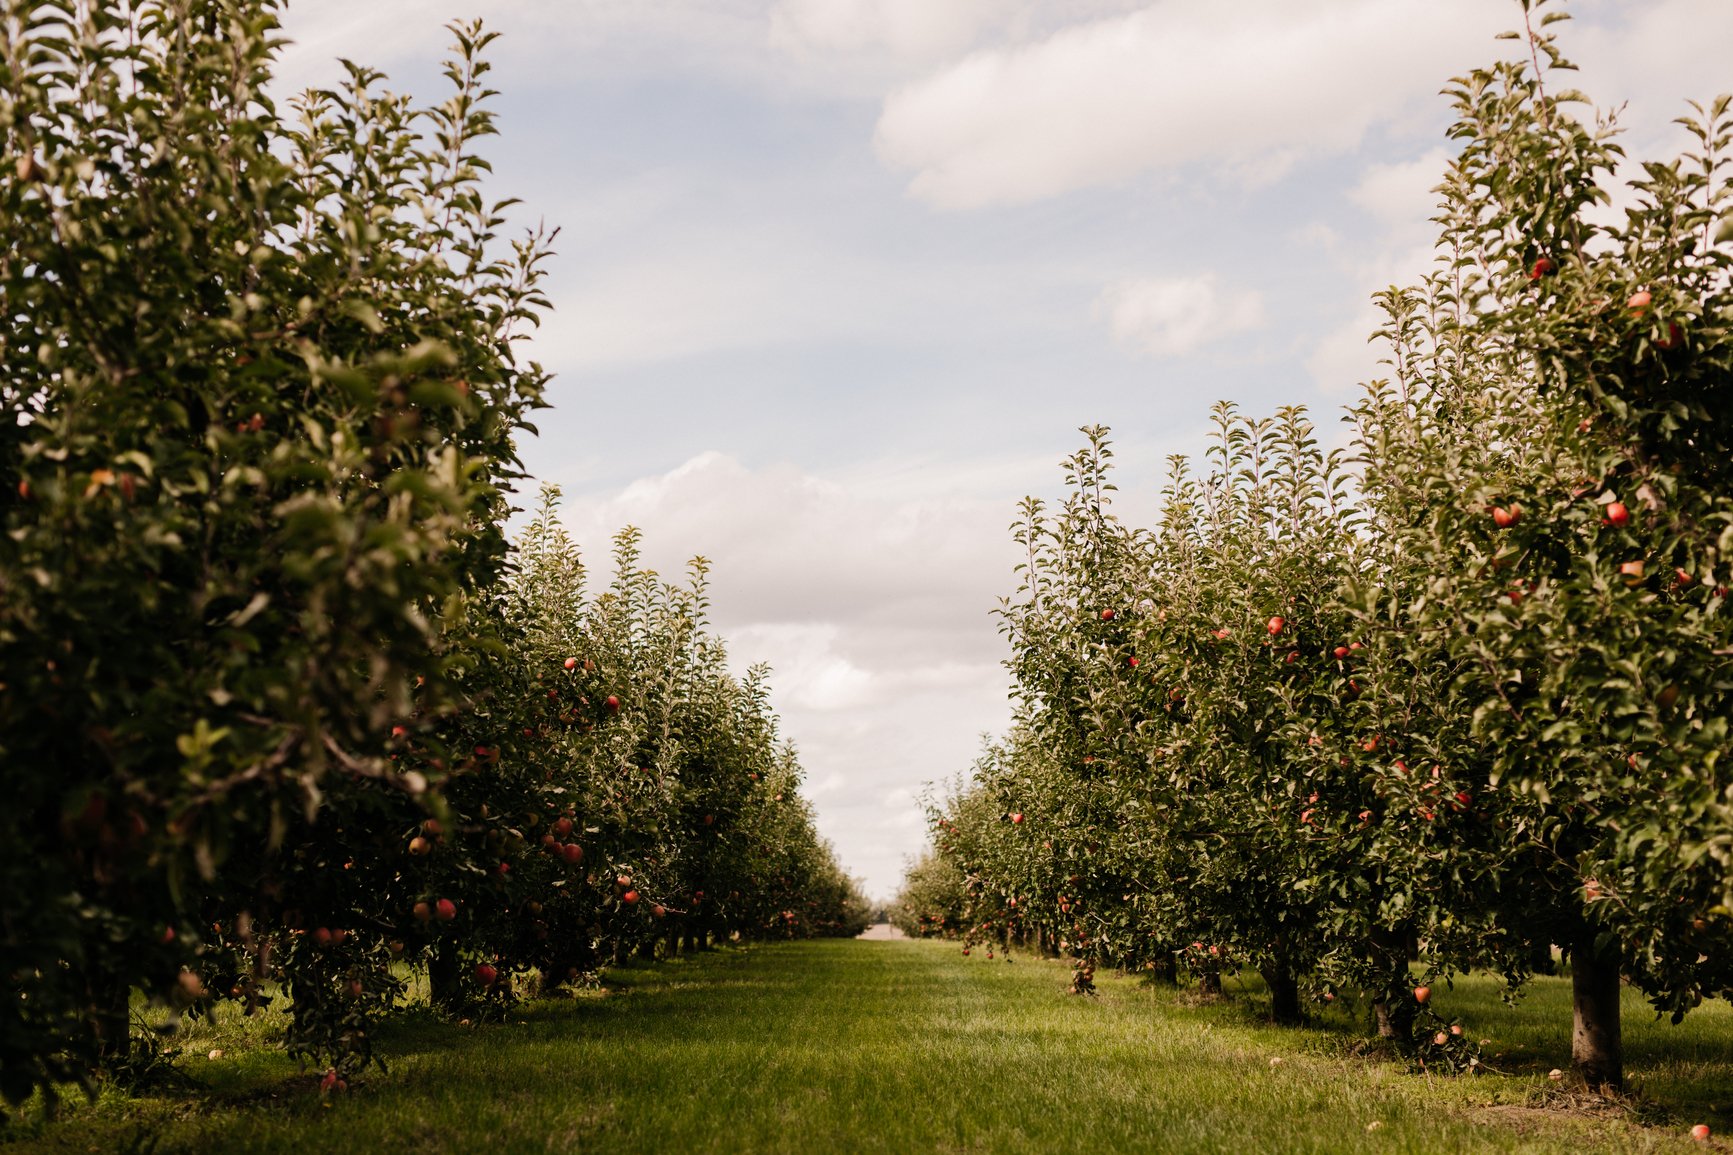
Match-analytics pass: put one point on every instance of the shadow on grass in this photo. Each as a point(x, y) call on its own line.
point(906, 1046)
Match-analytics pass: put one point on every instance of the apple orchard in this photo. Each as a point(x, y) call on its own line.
point(288, 718)
point(1458, 693)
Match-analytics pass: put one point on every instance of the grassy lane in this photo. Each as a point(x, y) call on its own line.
point(900, 1047)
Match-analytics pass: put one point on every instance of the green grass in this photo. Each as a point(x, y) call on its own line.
point(908, 1047)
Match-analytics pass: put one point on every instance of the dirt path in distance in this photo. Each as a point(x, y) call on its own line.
point(881, 930)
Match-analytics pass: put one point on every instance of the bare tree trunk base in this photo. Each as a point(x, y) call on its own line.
point(1597, 1051)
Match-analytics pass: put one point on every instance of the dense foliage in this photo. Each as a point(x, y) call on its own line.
point(1462, 691)
point(277, 710)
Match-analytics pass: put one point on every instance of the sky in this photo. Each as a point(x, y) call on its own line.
point(838, 281)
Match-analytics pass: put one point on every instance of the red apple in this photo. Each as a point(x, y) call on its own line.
point(571, 663)
point(613, 704)
point(629, 898)
point(1640, 301)
point(446, 909)
point(1293, 656)
point(338, 934)
point(1107, 615)
point(1275, 625)
point(422, 912)
point(1422, 994)
point(1617, 514)
point(562, 826)
point(1506, 516)
point(1700, 1132)
point(1133, 661)
point(572, 853)
point(1672, 339)
point(659, 911)
point(1341, 652)
point(322, 936)
point(419, 845)
point(485, 974)
point(1017, 819)
point(1544, 267)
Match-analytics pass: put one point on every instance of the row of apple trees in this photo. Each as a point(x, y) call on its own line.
point(1462, 688)
point(279, 712)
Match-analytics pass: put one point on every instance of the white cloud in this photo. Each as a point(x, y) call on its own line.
point(873, 608)
point(1170, 317)
point(1400, 195)
point(1247, 88)
point(909, 28)
point(1395, 247)
point(540, 38)
point(1344, 358)
point(1655, 55)
point(813, 674)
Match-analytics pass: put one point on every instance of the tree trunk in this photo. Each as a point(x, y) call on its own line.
point(1540, 959)
point(1596, 1050)
point(1209, 983)
point(1166, 970)
point(111, 1020)
point(1391, 1013)
point(444, 982)
point(1284, 995)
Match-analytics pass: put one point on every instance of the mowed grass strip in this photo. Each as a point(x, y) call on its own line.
point(905, 1046)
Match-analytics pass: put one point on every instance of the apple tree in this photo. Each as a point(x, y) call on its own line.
point(260, 393)
point(1558, 474)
